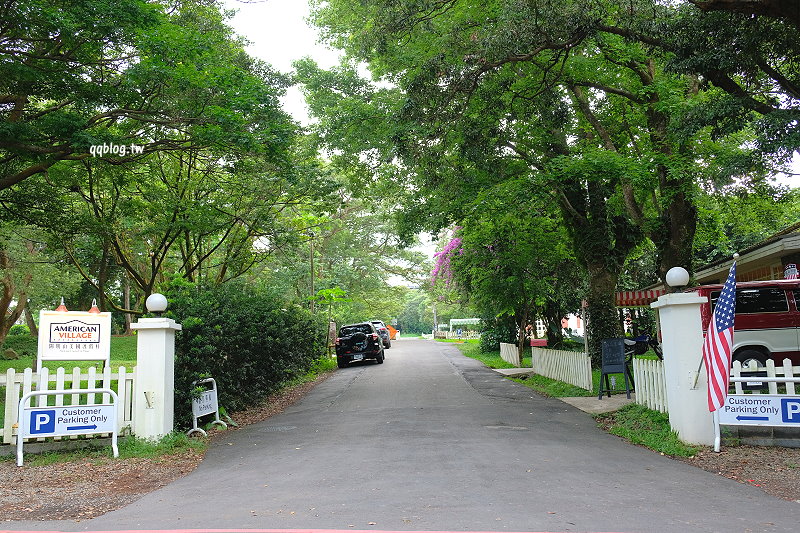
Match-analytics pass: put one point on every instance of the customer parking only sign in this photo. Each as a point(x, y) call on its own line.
point(74, 420)
point(74, 336)
point(66, 421)
point(760, 410)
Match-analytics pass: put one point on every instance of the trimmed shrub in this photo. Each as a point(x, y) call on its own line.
point(19, 329)
point(250, 342)
point(24, 345)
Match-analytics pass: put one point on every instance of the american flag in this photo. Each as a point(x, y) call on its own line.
point(790, 272)
point(718, 343)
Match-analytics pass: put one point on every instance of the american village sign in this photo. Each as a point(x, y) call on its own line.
point(74, 336)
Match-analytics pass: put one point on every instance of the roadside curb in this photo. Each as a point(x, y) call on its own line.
point(587, 404)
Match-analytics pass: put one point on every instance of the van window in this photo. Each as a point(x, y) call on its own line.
point(766, 300)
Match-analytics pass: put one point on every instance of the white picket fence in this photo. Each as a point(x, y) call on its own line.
point(17, 384)
point(571, 367)
point(651, 388)
point(454, 335)
point(509, 353)
point(785, 370)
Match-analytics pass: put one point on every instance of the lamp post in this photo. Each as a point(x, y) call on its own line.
point(156, 303)
point(682, 344)
point(154, 387)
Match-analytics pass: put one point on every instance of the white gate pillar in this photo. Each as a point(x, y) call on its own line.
point(682, 344)
point(154, 384)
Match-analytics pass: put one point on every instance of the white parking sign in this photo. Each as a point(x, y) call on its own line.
point(760, 410)
point(63, 421)
point(73, 420)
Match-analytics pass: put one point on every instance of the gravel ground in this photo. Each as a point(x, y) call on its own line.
point(775, 470)
point(80, 490)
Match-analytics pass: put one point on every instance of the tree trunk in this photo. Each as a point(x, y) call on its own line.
point(29, 319)
point(552, 319)
point(102, 279)
point(603, 321)
point(126, 295)
point(521, 335)
point(674, 244)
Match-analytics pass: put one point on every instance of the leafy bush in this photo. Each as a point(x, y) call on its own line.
point(496, 330)
point(19, 329)
point(248, 341)
point(24, 345)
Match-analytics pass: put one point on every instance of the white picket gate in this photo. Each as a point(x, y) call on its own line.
point(18, 384)
point(651, 387)
point(570, 367)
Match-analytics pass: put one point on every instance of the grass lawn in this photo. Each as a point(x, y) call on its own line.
point(470, 348)
point(123, 353)
point(541, 384)
point(640, 425)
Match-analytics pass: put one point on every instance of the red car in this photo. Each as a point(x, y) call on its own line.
point(767, 324)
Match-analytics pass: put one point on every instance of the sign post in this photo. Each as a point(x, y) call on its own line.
point(65, 421)
point(206, 404)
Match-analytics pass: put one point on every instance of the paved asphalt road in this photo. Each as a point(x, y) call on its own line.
point(431, 440)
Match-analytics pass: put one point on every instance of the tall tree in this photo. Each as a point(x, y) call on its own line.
point(590, 117)
point(157, 76)
point(220, 174)
point(512, 265)
point(31, 275)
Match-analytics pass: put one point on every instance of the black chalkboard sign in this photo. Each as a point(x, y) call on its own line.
point(613, 355)
point(613, 362)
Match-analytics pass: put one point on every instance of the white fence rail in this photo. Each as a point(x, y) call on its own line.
point(571, 367)
point(18, 384)
point(510, 353)
point(651, 388)
point(786, 370)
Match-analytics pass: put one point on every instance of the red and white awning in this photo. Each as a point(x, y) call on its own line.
point(637, 298)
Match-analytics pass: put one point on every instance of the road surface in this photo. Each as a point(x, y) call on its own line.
point(431, 440)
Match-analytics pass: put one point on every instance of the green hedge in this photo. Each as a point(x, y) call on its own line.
point(24, 345)
point(495, 330)
point(250, 342)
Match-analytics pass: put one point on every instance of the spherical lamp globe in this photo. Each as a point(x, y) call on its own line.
point(156, 303)
point(677, 277)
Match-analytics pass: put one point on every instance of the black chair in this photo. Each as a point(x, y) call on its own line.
point(613, 352)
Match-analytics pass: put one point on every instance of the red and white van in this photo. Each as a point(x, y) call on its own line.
point(767, 323)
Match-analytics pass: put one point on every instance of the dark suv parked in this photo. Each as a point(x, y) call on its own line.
point(357, 342)
point(383, 331)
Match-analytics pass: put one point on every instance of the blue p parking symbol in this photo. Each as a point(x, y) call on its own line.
point(43, 421)
point(790, 410)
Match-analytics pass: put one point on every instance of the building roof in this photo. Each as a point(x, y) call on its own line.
point(760, 255)
point(755, 262)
